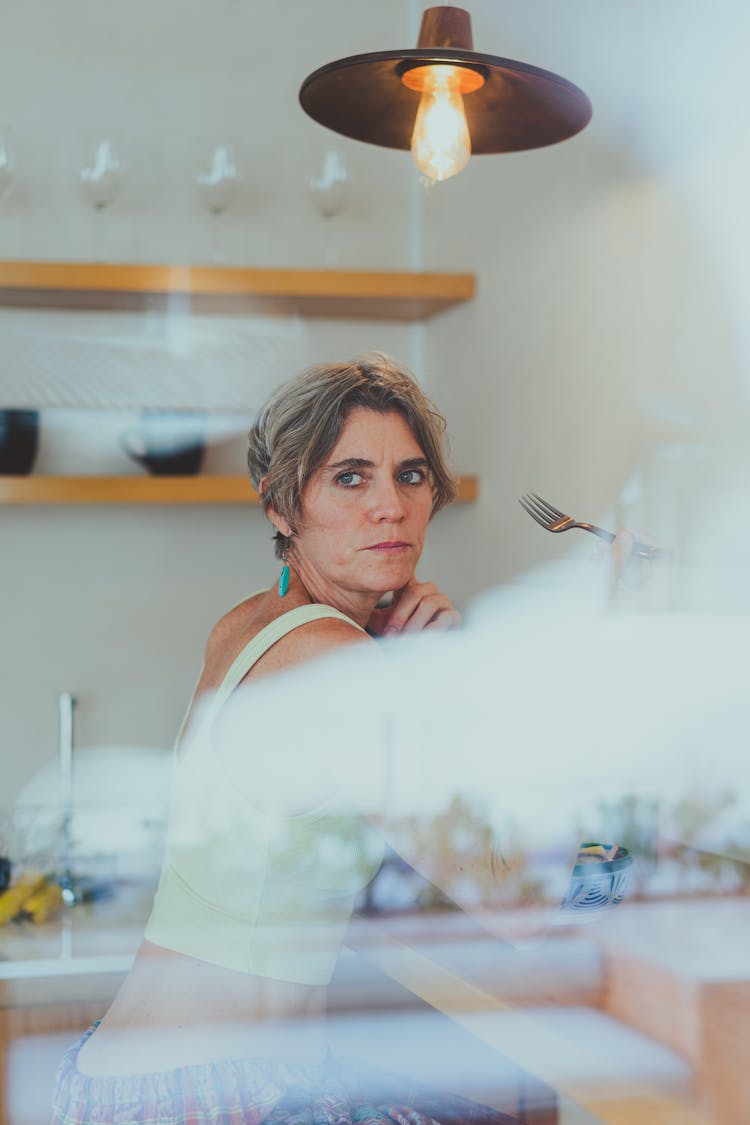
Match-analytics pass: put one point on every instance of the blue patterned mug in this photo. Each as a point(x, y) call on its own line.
point(599, 880)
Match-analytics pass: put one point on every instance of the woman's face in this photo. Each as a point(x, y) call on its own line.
point(365, 511)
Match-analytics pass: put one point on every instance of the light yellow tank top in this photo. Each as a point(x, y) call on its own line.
point(252, 890)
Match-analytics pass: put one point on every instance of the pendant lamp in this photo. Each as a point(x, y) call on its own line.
point(444, 100)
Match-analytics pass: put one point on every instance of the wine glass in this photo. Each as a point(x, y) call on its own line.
point(7, 161)
point(218, 179)
point(329, 191)
point(101, 173)
point(100, 178)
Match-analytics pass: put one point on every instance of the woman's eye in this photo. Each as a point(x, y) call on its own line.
point(349, 479)
point(412, 476)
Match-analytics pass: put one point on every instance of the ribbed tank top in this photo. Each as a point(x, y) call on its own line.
point(244, 888)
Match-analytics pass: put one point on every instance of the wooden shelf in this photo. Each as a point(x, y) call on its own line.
point(362, 294)
point(149, 490)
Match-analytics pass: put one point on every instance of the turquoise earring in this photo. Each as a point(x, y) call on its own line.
point(284, 576)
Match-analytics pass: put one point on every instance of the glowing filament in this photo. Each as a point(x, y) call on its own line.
point(440, 143)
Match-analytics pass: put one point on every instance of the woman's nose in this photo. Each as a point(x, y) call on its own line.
point(387, 503)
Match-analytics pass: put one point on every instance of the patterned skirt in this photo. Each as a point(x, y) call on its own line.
point(256, 1092)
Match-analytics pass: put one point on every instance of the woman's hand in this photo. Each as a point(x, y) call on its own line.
point(629, 569)
point(416, 607)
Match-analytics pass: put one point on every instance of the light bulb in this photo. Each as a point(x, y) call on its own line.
point(440, 143)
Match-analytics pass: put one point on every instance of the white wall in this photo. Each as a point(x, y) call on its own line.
point(168, 81)
point(610, 315)
point(610, 329)
point(114, 604)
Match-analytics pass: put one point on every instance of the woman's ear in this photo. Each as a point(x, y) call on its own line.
point(275, 517)
point(279, 523)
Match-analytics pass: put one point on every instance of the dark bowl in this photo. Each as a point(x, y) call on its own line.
point(167, 442)
point(19, 439)
point(179, 463)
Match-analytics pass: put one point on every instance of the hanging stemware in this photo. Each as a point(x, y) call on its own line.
point(100, 178)
point(330, 190)
point(218, 180)
point(7, 161)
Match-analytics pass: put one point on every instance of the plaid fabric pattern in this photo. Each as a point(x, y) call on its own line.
point(255, 1092)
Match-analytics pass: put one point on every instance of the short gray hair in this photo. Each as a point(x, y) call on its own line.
point(302, 421)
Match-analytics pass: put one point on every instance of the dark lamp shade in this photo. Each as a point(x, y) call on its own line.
point(518, 107)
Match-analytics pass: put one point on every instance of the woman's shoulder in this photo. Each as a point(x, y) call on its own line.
point(304, 631)
point(243, 620)
point(309, 641)
point(296, 635)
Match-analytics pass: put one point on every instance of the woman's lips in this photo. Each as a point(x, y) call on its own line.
point(390, 547)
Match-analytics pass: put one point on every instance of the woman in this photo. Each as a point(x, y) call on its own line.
point(243, 937)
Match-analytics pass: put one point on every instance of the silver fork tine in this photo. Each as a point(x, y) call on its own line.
point(555, 513)
point(534, 506)
point(526, 505)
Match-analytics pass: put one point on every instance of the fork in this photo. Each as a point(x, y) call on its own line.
point(552, 519)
